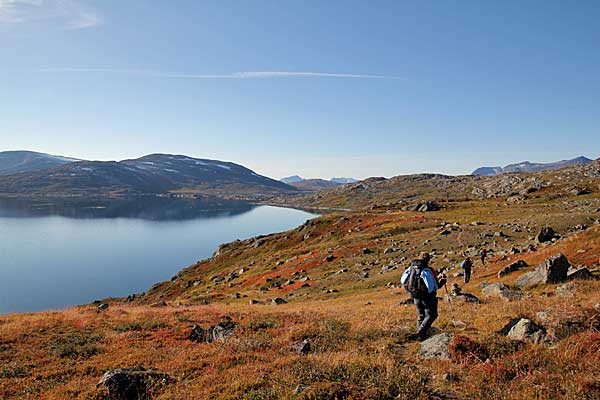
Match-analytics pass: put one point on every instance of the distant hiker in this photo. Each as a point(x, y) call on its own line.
point(467, 266)
point(483, 256)
point(422, 282)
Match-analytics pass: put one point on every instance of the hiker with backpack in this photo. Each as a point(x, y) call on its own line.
point(483, 256)
point(422, 282)
point(467, 266)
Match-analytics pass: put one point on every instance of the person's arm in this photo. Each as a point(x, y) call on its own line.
point(405, 276)
point(430, 280)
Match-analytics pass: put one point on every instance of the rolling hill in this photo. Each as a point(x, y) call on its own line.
point(15, 162)
point(152, 174)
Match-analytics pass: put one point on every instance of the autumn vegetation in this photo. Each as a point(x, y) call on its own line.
point(350, 309)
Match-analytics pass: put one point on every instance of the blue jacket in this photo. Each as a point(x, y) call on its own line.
point(427, 275)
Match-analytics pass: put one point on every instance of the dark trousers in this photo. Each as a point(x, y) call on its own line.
point(427, 311)
point(467, 272)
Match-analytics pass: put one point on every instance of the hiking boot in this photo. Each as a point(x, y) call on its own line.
point(413, 337)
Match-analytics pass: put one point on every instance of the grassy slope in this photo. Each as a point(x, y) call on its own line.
point(358, 333)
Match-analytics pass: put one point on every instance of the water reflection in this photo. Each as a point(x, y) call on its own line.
point(148, 208)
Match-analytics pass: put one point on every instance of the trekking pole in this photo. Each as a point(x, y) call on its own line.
point(450, 303)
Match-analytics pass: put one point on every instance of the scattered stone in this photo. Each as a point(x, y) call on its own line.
point(258, 243)
point(458, 274)
point(197, 334)
point(219, 332)
point(546, 235)
point(552, 270)
point(278, 301)
point(449, 377)
point(329, 258)
point(102, 307)
point(541, 316)
point(131, 383)
point(436, 347)
point(161, 303)
point(299, 389)
point(236, 295)
point(366, 250)
point(253, 301)
point(389, 250)
point(582, 274)
point(565, 290)
point(512, 268)
point(501, 291)
point(466, 298)
point(302, 347)
point(456, 290)
point(524, 330)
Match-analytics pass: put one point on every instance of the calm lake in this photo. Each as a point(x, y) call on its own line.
point(56, 255)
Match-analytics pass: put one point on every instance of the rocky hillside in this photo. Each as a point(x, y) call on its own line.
point(317, 312)
point(153, 174)
point(404, 191)
point(15, 162)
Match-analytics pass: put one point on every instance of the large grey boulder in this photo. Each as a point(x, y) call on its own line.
point(131, 383)
point(553, 270)
point(436, 347)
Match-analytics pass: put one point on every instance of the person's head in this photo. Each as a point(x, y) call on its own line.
point(425, 257)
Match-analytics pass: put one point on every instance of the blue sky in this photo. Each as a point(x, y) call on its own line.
point(316, 88)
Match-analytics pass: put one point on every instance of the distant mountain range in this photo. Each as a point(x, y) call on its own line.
point(527, 166)
point(152, 174)
point(333, 182)
point(15, 162)
point(315, 184)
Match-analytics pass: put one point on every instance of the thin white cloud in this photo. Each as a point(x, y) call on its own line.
point(70, 14)
point(233, 75)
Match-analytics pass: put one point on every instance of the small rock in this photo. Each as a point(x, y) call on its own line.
point(582, 274)
point(565, 290)
point(546, 235)
point(131, 383)
point(197, 334)
point(524, 330)
point(278, 301)
point(302, 347)
point(512, 268)
point(449, 377)
point(299, 389)
point(436, 347)
point(102, 307)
